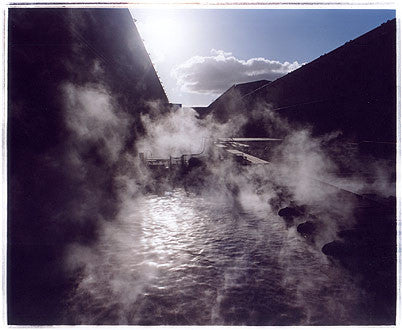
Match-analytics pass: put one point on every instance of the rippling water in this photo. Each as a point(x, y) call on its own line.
point(185, 259)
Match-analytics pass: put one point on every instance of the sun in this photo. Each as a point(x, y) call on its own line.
point(163, 36)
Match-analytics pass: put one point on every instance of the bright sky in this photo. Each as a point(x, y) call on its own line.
point(199, 53)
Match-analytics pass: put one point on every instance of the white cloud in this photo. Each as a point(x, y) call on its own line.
point(216, 73)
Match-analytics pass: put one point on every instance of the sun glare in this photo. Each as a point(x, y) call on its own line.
point(162, 36)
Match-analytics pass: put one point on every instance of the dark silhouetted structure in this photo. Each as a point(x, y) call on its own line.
point(48, 48)
point(351, 89)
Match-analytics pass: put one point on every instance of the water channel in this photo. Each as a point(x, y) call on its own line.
point(180, 258)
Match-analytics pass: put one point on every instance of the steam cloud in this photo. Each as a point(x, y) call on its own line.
point(180, 132)
point(216, 73)
point(121, 237)
point(115, 270)
point(93, 119)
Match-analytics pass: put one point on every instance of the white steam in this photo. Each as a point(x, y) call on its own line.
point(135, 246)
point(173, 134)
point(179, 132)
point(93, 119)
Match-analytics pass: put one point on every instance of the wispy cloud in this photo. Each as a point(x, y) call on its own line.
point(215, 73)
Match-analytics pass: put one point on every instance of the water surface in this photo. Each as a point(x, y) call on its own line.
point(186, 259)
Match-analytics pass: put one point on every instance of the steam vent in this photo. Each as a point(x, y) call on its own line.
point(285, 217)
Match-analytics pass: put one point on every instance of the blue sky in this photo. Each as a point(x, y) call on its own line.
point(199, 53)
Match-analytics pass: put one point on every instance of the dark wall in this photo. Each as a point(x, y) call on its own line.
point(232, 101)
point(48, 48)
point(352, 89)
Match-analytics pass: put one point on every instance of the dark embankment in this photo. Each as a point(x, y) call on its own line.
point(368, 250)
point(55, 199)
point(231, 101)
point(351, 89)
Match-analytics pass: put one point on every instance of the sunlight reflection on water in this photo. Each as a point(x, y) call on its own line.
point(185, 259)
